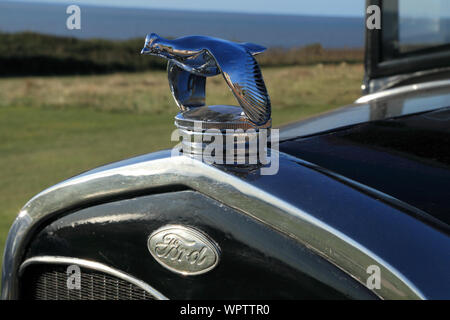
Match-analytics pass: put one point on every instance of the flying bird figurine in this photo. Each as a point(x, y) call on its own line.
point(193, 58)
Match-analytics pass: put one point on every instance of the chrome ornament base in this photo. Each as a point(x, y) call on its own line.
point(227, 134)
point(222, 134)
point(219, 117)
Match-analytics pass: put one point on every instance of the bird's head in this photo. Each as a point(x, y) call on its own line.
point(153, 45)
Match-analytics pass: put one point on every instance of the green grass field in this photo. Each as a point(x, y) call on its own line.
point(52, 128)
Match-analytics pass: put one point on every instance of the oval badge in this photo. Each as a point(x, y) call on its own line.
point(183, 250)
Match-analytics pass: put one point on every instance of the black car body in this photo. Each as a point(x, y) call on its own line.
point(365, 185)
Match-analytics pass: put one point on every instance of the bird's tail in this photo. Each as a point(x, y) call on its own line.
point(254, 49)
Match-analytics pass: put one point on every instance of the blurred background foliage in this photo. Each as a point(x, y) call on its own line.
point(29, 53)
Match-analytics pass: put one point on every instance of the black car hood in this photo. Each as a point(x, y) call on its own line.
point(407, 157)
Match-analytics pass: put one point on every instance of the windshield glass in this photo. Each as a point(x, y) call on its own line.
point(414, 26)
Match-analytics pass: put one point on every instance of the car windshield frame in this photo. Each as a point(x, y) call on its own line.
point(379, 63)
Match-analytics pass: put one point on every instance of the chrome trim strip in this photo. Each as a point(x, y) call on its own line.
point(94, 266)
point(379, 84)
point(401, 90)
point(164, 170)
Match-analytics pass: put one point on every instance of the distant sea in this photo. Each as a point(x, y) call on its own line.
point(124, 23)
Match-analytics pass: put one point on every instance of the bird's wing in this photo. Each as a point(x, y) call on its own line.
point(243, 76)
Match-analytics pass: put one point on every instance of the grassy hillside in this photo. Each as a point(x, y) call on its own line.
point(37, 54)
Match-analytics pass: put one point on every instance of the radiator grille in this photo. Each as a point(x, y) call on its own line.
point(49, 282)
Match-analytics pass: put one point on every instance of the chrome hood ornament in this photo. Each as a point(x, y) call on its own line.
point(193, 58)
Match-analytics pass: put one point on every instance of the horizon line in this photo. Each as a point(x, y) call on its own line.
point(64, 2)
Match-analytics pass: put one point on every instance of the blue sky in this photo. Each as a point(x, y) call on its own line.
point(307, 7)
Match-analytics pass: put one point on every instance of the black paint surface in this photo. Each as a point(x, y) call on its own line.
point(407, 158)
point(256, 261)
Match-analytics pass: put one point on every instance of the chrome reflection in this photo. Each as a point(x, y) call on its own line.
point(162, 170)
point(93, 266)
point(193, 58)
